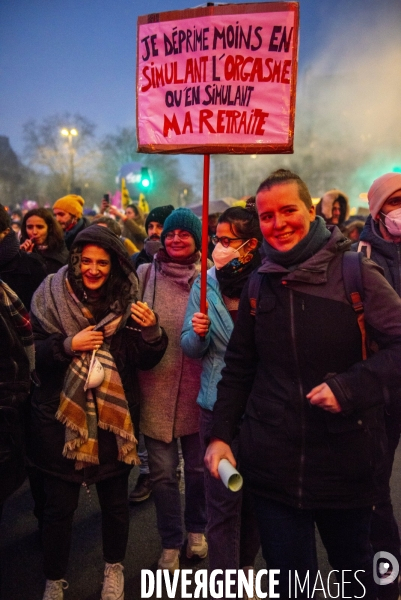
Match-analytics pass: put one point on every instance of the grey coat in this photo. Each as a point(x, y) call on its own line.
point(169, 390)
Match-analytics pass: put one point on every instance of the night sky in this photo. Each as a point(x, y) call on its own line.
point(79, 55)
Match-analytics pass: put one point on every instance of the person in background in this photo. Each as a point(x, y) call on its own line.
point(211, 230)
point(353, 229)
point(83, 431)
point(16, 219)
point(380, 241)
point(154, 227)
point(68, 212)
point(169, 412)
point(22, 272)
point(17, 362)
point(116, 229)
point(312, 437)
point(334, 208)
point(232, 533)
point(133, 223)
point(42, 235)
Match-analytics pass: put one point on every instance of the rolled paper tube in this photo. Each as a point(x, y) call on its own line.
point(229, 475)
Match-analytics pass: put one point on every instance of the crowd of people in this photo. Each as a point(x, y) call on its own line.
point(107, 362)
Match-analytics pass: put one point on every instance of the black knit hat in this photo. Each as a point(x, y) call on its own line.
point(183, 218)
point(158, 214)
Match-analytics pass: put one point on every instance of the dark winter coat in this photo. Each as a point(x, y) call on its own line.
point(53, 259)
point(387, 255)
point(21, 271)
point(130, 352)
point(141, 258)
point(305, 333)
point(384, 253)
point(70, 235)
point(128, 347)
point(14, 388)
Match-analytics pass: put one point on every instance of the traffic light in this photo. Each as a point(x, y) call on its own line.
point(145, 178)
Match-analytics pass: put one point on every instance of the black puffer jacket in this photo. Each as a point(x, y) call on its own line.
point(305, 332)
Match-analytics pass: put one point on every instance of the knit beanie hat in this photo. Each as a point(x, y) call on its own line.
point(183, 218)
point(381, 189)
point(158, 214)
point(71, 204)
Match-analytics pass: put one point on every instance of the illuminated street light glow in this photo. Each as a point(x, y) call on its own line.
point(70, 133)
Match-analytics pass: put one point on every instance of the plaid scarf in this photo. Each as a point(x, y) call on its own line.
point(20, 318)
point(106, 406)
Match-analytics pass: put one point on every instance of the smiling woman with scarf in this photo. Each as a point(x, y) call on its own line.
point(90, 336)
point(169, 412)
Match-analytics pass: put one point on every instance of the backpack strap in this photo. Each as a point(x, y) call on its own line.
point(352, 276)
point(365, 248)
point(255, 282)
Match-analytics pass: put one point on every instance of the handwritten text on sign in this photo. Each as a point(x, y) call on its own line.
point(221, 79)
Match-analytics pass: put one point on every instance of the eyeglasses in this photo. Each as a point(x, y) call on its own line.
point(182, 235)
point(224, 241)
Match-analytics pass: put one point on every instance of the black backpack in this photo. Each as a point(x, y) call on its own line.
point(352, 275)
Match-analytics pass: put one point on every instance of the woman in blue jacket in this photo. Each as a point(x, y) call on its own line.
point(235, 256)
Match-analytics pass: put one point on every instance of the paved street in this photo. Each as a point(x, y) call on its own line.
point(21, 556)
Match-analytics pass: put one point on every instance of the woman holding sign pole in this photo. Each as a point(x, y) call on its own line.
point(312, 438)
point(231, 528)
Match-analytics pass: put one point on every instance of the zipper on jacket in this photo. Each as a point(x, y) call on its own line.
point(301, 394)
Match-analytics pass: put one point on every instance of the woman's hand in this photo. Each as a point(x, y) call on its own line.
point(142, 314)
point(200, 323)
point(216, 450)
point(114, 211)
point(322, 396)
point(27, 246)
point(87, 340)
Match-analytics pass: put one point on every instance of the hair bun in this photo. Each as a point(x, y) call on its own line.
point(251, 204)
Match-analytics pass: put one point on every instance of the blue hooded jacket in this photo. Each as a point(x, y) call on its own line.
point(212, 348)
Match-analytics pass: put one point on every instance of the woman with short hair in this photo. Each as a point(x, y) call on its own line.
point(312, 437)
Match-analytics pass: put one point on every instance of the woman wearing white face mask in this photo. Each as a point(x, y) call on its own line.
point(231, 532)
point(380, 240)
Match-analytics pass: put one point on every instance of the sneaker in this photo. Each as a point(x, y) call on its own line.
point(197, 545)
point(254, 595)
point(113, 582)
point(54, 589)
point(169, 559)
point(142, 489)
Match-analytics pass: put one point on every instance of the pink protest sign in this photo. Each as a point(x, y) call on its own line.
point(218, 79)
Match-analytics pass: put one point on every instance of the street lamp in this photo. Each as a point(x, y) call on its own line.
point(70, 133)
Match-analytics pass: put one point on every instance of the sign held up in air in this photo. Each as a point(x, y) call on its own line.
point(218, 79)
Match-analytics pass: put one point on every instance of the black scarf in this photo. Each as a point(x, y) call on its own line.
point(315, 240)
point(232, 281)
point(9, 248)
